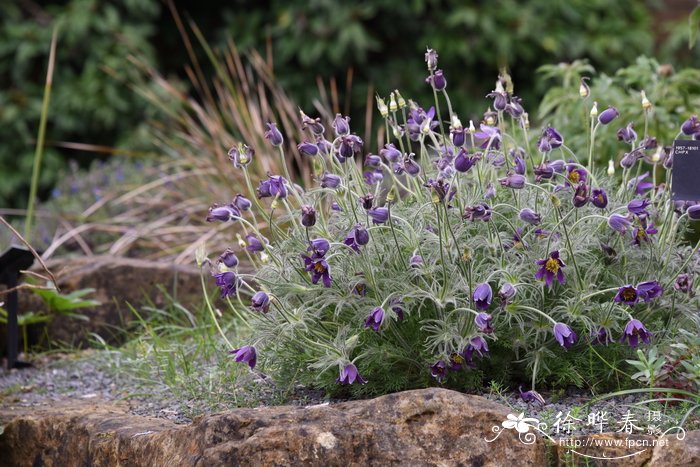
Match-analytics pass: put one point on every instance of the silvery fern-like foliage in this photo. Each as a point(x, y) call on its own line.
point(459, 253)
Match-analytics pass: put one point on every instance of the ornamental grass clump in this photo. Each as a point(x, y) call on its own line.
point(456, 254)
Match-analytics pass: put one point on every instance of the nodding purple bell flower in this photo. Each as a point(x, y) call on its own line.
point(638, 207)
point(627, 295)
point(491, 136)
point(599, 198)
point(273, 135)
point(241, 202)
point(575, 174)
point(325, 147)
point(439, 370)
point(634, 331)
point(367, 201)
point(550, 139)
point(601, 337)
point(619, 223)
point(397, 305)
point(350, 375)
point(490, 191)
point(551, 267)
point(580, 195)
point(691, 126)
point(360, 289)
point(478, 212)
point(319, 247)
point(308, 215)
point(228, 282)
point(308, 149)
point(649, 290)
point(260, 302)
point(515, 107)
point(229, 258)
point(223, 213)
point(375, 318)
point(329, 180)
point(631, 158)
point(374, 177)
point(515, 181)
point(373, 161)
point(431, 59)
point(463, 162)
point(437, 80)
point(241, 156)
point(357, 237)
point(379, 215)
point(255, 243)
point(530, 216)
point(519, 163)
point(564, 335)
point(245, 354)
point(416, 261)
point(693, 212)
point(341, 125)
point(608, 115)
point(627, 134)
point(640, 187)
point(458, 136)
point(410, 166)
point(319, 269)
point(641, 234)
point(313, 124)
point(476, 345)
point(336, 207)
point(496, 158)
point(390, 153)
point(483, 322)
point(507, 292)
point(273, 187)
point(482, 296)
point(531, 396)
point(500, 99)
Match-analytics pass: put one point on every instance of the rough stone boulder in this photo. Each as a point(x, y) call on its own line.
point(421, 427)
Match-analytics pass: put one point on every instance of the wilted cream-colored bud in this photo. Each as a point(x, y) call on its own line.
point(400, 99)
point(456, 123)
point(264, 257)
point(656, 157)
point(393, 106)
point(583, 90)
point(383, 109)
point(646, 104)
point(594, 110)
point(525, 119)
point(471, 128)
point(611, 168)
point(241, 242)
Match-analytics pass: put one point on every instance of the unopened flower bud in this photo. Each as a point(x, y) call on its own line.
point(594, 110)
point(308, 215)
point(525, 120)
point(471, 128)
point(656, 157)
point(611, 168)
point(383, 109)
point(646, 105)
point(583, 90)
point(393, 106)
point(400, 99)
point(490, 117)
point(241, 242)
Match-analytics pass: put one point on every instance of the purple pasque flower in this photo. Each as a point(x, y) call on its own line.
point(457, 360)
point(482, 296)
point(599, 198)
point(375, 318)
point(496, 158)
point(580, 197)
point(341, 125)
point(397, 305)
point(551, 267)
point(640, 187)
point(683, 283)
point(491, 136)
point(478, 212)
point(519, 162)
point(273, 135)
point(439, 189)
point(260, 302)
point(638, 207)
point(255, 243)
point(390, 153)
point(564, 335)
point(649, 290)
point(367, 201)
point(627, 134)
point(336, 207)
point(500, 98)
point(506, 292)
point(483, 322)
point(458, 136)
point(372, 160)
point(463, 162)
point(313, 124)
point(439, 370)
point(693, 212)
point(619, 223)
point(349, 146)
point(325, 147)
point(515, 107)
point(319, 247)
point(228, 282)
point(329, 180)
point(575, 174)
point(308, 149)
point(420, 122)
point(437, 80)
point(241, 202)
point(630, 158)
point(350, 375)
point(691, 126)
point(416, 261)
point(601, 337)
point(357, 237)
point(319, 269)
point(223, 213)
point(529, 216)
point(308, 215)
point(379, 215)
point(543, 233)
point(273, 187)
point(229, 258)
point(241, 156)
point(608, 115)
point(641, 234)
point(490, 191)
point(627, 295)
point(515, 181)
point(550, 139)
point(531, 396)
point(410, 166)
point(635, 330)
point(373, 177)
point(476, 345)
point(245, 354)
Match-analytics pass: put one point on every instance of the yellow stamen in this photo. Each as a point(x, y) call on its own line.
point(552, 265)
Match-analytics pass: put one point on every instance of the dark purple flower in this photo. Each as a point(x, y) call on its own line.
point(551, 267)
point(241, 155)
point(619, 223)
point(478, 212)
point(683, 283)
point(627, 294)
point(634, 331)
point(416, 261)
point(319, 269)
point(336, 207)
point(329, 180)
point(273, 135)
point(313, 124)
point(439, 370)
point(564, 335)
point(496, 158)
point(319, 247)
point(531, 396)
point(601, 337)
point(482, 296)
point(631, 158)
point(543, 233)
point(350, 375)
point(550, 139)
point(694, 212)
point(375, 318)
point(456, 361)
point(641, 234)
point(229, 258)
point(223, 213)
point(341, 125)
point(410, 166)
point(490, 191)
point(241, 202)
point(439, 189)
point(627, 134)
point(458, 136)
point(397, 305)
point(580, 195)
point(255, 243)
point(483, 322)
point(476, 345)
point(245, 354)
point(325, 147)
point(500, 99)
point(519, 163)
point(491, 135)
point(308, 149)
point(431, 59)
point(575, 174)
point(608, 115)
point(437, 80)
point(463, 162)
point(228, 282)
point(506, 292)
point(378, 215)
point(515, 181)
point(691, 126)
point(530, 216)
point(599, 198)
point(308, 215)
point(349, 146)
point(515, 107)
point(640, 187)
point(649, 290)
point(374, 177)
point(373, 161)
point(260, 302)
point(638, 207)
point(357, 237)
point(273, 187)
point(390, 153)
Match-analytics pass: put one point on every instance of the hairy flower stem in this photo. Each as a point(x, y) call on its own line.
point(211, 311)
point(535, 310)
point(579, 278)
point(442, 257)
point(594, 128)
point(292, 185)
point(393, 233)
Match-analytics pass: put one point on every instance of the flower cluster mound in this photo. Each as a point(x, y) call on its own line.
point(460, 253)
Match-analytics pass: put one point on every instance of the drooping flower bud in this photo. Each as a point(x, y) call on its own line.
point(399, 99)
point(594, 110)
point(608, 115)
point(341, 125)
point(308, 215)
point(229, 258)
point(437, 80)
point(307, 149)
point(646, 105)
point(273, 135)
point(583, 90)
point(241, 202)
point(393, 106)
